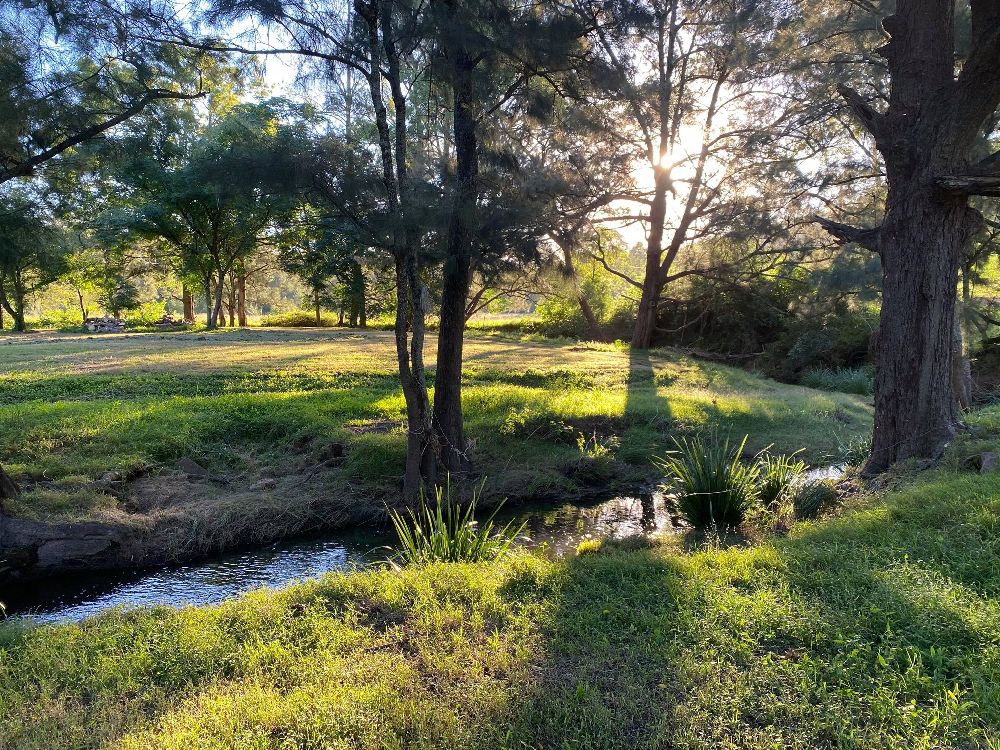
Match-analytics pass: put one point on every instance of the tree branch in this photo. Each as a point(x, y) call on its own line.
point(870, 118)
point(970, 184)
point(27, 167)
point(845, 233)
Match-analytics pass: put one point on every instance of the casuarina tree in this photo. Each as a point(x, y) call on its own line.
point(931, 138)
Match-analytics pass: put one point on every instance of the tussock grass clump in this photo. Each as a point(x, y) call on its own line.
point(858, 380)
point(812, 497)
point(449, 531)
point(711, 484)
point(778, 476)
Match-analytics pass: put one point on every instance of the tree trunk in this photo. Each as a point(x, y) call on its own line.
point(8, 488)
point(448, 419)
point(652, 282)
point(83, 307)
point(188, 300)
point(241, 300)
point(319, 320)
point(231, 306)
point(220, 290)
point(925, 230)
point(209, 306)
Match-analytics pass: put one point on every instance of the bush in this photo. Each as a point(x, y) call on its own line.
point(711, 485)
point(778, 475)
point(299, 319)
point(860, 380)
point(812, 497)
point(449, 532)
point(145, 315)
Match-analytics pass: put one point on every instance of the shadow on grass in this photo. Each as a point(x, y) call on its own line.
point(874, 630)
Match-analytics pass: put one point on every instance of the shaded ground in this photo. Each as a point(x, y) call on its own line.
point(879, 629)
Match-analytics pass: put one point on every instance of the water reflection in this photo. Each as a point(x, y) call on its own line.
point(553, 530)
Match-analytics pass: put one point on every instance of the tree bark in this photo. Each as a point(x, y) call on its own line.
point(209, 306)
point(926, 134)
point(652, 282)
point(241, 300)
point(448, 419)
point(83, 307)
point(188, 300)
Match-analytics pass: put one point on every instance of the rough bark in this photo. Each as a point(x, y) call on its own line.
point(188, 300)
point(926, 134)
point(448, 421)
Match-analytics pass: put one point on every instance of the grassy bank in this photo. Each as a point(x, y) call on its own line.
point(545, 420)
point(877, 629)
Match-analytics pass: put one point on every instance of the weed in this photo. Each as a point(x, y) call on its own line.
point(449, 531)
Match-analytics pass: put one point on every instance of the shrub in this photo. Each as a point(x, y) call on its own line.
point(299, 319)
point(449, 532)
point(812, 497)
point(778, 475)
point(860, 380)
point(854, 451)
point(711, 484)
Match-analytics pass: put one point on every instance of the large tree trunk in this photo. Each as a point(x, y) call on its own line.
point(926, 138)
point(921, 245)
point(652, 282)
point(448, 420)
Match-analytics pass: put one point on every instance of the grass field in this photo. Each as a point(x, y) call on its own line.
point(878, 629)
point(547, 420)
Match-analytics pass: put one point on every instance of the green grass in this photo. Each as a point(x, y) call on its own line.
point(877, 629)
point(239, 401)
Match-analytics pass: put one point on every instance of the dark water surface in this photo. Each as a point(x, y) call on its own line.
point(554, 529)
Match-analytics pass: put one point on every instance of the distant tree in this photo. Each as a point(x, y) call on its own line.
point(33, 253)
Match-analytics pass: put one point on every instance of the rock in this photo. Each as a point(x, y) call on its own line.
point(111, 476)
point(987, 462)
point(984, 462)
point(263, 484)
point(192, 467)
point(331, 451)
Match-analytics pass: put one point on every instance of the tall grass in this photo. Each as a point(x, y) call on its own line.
point(449, 531)
point(778, 475)
point(710, 482)
point(859, 380)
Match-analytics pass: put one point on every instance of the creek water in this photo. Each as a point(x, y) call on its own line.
point(553, 529)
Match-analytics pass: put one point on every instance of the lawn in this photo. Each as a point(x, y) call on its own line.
point(546, 420)
point(876, 629)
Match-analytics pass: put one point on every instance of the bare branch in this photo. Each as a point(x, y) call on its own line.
point(970, 184)
point(845, 233)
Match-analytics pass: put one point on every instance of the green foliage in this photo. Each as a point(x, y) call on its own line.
point(299, 319)
point(859, 380)
point(834, 341)
point(450, 532)
point(811, 498)
point(853, 450)
point(778, 476)
point(710, 482)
